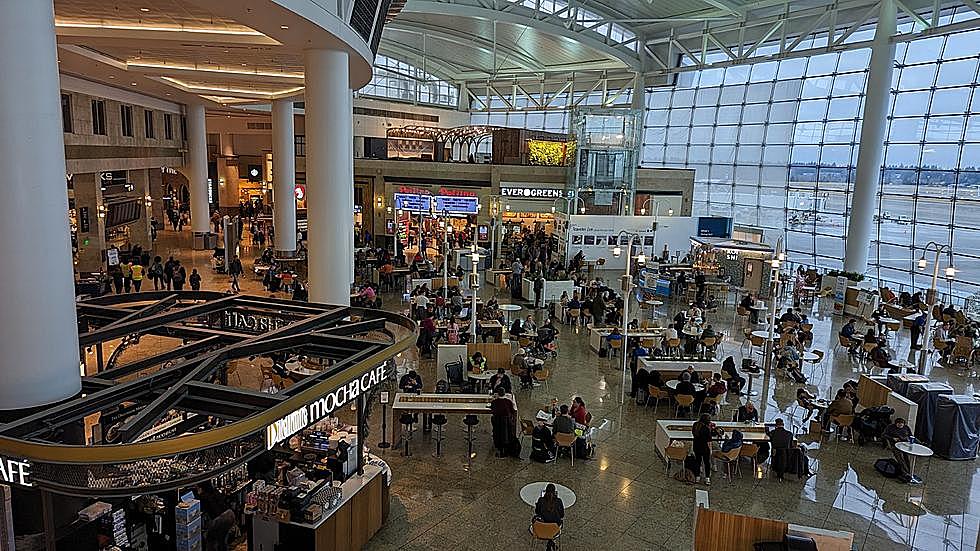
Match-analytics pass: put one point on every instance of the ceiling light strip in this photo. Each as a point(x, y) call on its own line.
point(214, 70)
point(121, 27)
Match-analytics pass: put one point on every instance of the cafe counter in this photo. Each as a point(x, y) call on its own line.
point(358, 514)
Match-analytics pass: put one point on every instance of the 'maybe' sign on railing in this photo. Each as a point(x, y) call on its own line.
point(316, 410)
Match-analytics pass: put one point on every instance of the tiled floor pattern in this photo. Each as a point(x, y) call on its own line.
point(625, 498)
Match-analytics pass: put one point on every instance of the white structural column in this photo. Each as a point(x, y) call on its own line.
point(197, 153)
point(871, 149)
point(284, 175)
point(38, 328)
point(329, 175)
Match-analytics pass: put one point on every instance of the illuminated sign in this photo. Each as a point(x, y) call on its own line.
point(467, 205)
point(413, 202)
point(251, 322)
point(412, 190)
point(300, 192)
point(281, 430)
point(531, 193)
point(15, 471)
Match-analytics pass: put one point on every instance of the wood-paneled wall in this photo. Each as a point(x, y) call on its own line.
point(720, 531)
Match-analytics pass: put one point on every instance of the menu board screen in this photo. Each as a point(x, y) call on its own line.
point(413, 202)
point(467, 205)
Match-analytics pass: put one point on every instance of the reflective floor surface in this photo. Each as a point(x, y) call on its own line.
point(625, 499)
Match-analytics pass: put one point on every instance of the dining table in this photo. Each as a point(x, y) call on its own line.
point(672, 384)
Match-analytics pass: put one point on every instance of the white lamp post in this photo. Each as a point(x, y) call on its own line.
point(656, 218)
point(776, 262)
point(925, 352)
point(474, 288)
point(627, 292)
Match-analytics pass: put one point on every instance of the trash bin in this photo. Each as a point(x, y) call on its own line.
point(957, 430)
point(926, 395)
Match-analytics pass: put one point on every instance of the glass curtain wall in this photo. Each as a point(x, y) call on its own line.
point(554, 119)
point(397, 80)
point(774, 145)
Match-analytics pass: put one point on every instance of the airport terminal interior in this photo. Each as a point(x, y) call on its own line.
point(489, 274)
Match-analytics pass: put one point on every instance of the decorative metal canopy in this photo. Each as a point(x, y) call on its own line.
point(171, 418)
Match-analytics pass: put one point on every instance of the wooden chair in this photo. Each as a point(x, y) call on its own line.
point(674, 347)
point(842, 422)
point(675, 453)
point(563, 440)
point(708, 347)
point(962, 352)
point(527, 428)
point(843, 342)
point(573, 315)
point(615, 347)
point(867, 348)
point(656, 393)
point(683, 401)
point(757, 343)
point(807, 327)
point(232, 369)
point(648, 343)
point(741, 312)
point(543, 376)
point(730, 461)
point(710, 401)
point(644, 325)
point(750, 451)
point(545, 531)
point(268, 375)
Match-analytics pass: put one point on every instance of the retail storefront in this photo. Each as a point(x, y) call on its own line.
point(531, 206)
point(431, 210)
point(129, 467)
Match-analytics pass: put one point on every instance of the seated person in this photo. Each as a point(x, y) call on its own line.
point(500, 380)
point(849, 331)
point(783, 460)
point(877, 315)
point(736, 381)
point(410, 382)
point(550, 509)
point(747, 413)
point(790, 316)
point(806, 401)
point(717, 387)
point(791, 368)
point(685, 387)
point(729, 444)
point(842, 405)
point(692, 375)
point(542, 443)
point(579, 411)
point(615, 335)
point(477, 363)
point(881, 358)
point(517, 328)
point(563, 423)
point(894, 433)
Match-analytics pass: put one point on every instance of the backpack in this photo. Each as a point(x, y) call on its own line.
point(887, 467)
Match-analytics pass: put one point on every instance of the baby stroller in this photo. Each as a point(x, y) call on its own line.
point(871, 423)
point(544, 344)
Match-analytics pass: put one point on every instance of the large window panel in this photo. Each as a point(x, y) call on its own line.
point(910, 104)
point(917, 77)
point(907, 130)
point(844, 108)
point(956, 73)
point(813, 110)
point(928, 49)
point(849, 84)
point(787, 90)
point(705, 115)
point(945, 129)
point(817, 87)
point(950, 101)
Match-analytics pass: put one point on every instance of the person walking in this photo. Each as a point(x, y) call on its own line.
point(195, 280)
point(156, 273)
point(180, 276)
point(168, 272)
point(137, 275)
point(127, 273)
point(235, 270)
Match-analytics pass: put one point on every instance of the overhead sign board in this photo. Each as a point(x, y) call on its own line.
point(281, 430)
point(413, 202)
point(531, 192)
point(456, 205)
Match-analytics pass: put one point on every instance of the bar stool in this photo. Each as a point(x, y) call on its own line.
point(408, 428)
point(439, 422)
point(470, 421)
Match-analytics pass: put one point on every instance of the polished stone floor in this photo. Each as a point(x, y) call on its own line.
point(625, 500)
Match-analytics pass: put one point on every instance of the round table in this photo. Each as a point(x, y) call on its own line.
point(481, 378)
point(509, 309)
point(809, 356)
point(672, 384)
point(749, 391)
point(296, 367)
point(533, 491)
point(690, 333)
point(764, 335)
point(913, 451)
